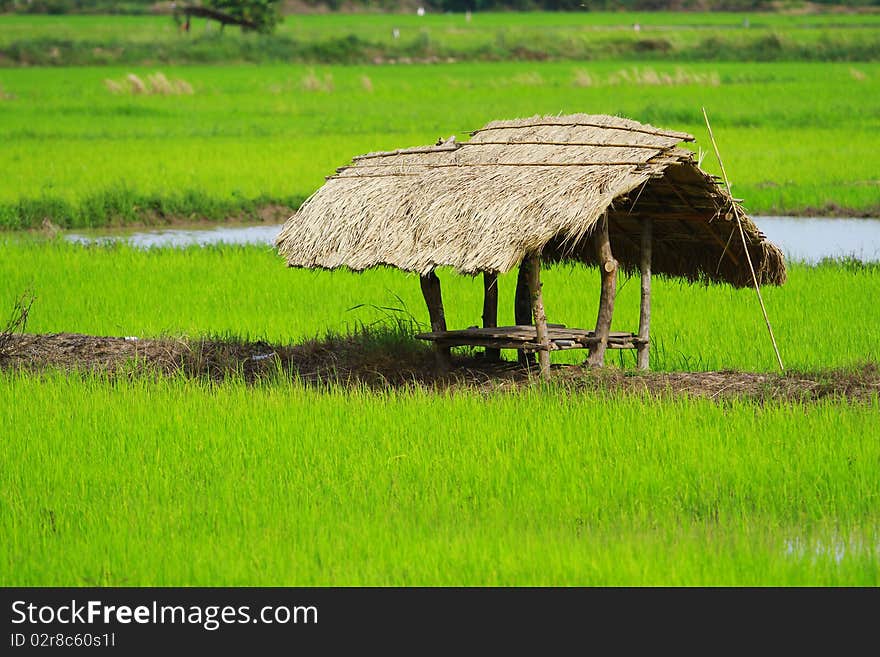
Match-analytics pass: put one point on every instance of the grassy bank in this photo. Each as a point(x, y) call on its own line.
point(247, 291)
point(281, 485)
point(81, 149)
point(339, 38)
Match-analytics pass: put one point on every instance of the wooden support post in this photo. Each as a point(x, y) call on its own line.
point(434, 300)
point(645, 304)
point(522, 307)
point(608, 268)
point(539, 315)
point(490, 311)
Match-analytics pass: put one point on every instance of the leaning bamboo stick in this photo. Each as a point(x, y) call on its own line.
point(737, 212)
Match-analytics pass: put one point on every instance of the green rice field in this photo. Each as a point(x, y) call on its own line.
point(134, 478)
point(796, 137)
point(369, 38)
point(247, 291)
point(152, 482)
point(279, 483)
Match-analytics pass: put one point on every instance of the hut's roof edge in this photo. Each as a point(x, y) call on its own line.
point(519, 187)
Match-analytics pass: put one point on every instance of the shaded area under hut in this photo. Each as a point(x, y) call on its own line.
point(596, 189)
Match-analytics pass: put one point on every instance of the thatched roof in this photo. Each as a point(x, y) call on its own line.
point(536, 185)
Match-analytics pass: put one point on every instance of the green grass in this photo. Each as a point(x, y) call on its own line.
point(282, 484)
point(177, 483)
point(823, 317)
point(375, 26)
point(141, 481)
point(44, 40)
point(794, 136)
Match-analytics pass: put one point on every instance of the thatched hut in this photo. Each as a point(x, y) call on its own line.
point(597, 189)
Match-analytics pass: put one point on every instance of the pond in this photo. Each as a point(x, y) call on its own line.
point(804, 239)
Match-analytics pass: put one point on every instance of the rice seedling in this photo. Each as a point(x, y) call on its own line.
point(281, 484)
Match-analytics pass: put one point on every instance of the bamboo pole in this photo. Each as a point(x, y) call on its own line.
point(608, 268)
point(671, 159)
point(683, 136)
point(644, 346)
point(490, 311)
point(434, 300)
point(522, 307)
point(543, 338)
point(451, 149)
point(736, 212)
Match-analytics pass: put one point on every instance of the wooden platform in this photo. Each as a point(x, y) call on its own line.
point(525, 338)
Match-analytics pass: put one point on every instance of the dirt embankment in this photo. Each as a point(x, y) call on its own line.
point(383, 361)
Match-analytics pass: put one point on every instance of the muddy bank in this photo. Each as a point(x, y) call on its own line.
point(387, 361)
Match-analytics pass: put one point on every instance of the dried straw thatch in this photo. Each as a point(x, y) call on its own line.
point(536, 185)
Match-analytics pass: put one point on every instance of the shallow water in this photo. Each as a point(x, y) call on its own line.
point(804, 239)
point(811, 239)
point(181, 237)
point(832, 548)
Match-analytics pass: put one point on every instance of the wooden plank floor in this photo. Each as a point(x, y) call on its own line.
point(525, 338)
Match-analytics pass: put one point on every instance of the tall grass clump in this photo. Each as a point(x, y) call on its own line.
point(312, 82)
point(155, 84)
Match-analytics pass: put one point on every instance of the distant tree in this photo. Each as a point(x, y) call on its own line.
point(250, 15)
point(263, 15)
